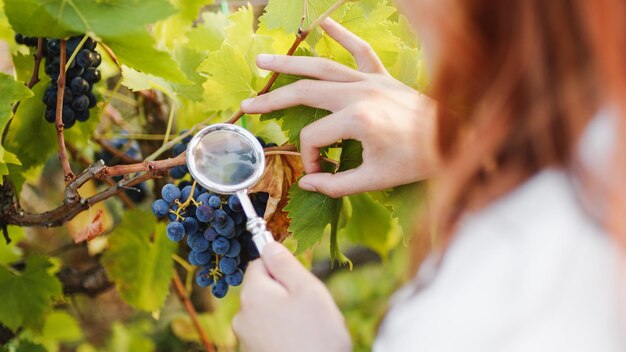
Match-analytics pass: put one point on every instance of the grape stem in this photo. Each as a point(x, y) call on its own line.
point(300, 37)
point(181, 293)
point(67, 170)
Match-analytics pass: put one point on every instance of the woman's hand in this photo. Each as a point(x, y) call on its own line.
point(395, 123)
point(285, 308)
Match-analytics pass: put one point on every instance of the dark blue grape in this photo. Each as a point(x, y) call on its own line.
point(203, 257)
point(205, 213)
point(175, 231)
point(178, 149)
point(80, 103)
point(177, 172)
point(160, 208)
point(75, 72)
point(50, 114)
point(186, 192)
point(82, 116)
point(204, 278)
point(204, 198)
point(239, 218)
point(68, 117)
point(220, 288)
point(234, 250)
point(234, 203)
point(220, 218)
point(215, 201)
point(269, 145)
point(210, 234)
point(228, 265)
point(187, 139)
point(170, 192)
point(190, 224)
point(197, 242)
point(228, 230)
point(235, 279)
point(92, 99)
point(97, 59)
point(92, 75)
point(85, 58)
point(221, 245)
point(191, 258)
point(89, 44)
point(54, 47)
point(79, 86)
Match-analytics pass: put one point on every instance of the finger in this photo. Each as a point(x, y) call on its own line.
point(365, 56)
point(316, 94)
point(308, 66)
point(283, 266)
point(322, 133)
point(339, 184)
point(258, 279)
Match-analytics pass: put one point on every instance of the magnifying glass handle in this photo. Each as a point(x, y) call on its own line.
point(255, 225)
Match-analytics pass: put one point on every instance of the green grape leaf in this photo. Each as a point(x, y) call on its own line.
point(171, 30)
point(63, 18)
point(133, 337)
point(368, 19)
point(294, 119)
point(12, 91)
point(139, 260)
point(310, 214)
point(209, 34)
point(11, 252)
point(286, 15)
point(406, 69)
point(28, 126)
point(28, 294)
point(351, 155)
point(407, 201)
point(136, 50)
point(369, 223)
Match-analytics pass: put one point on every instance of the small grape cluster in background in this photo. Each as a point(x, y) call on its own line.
point(131, 149)
point(81, 75)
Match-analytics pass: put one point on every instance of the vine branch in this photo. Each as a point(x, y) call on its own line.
point(184, 299)
point(300, 37)
point(67, 170)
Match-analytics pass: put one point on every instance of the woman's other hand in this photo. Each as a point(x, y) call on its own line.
point(395, 123)
point(286, 308)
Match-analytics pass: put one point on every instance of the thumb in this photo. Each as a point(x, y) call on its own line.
point(283, 266)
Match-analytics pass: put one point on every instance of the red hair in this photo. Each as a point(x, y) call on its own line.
point(518, 81)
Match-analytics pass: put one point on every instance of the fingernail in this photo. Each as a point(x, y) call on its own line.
point(264, 58)
point(273, 248)
point(246, 103)
point(307, 187)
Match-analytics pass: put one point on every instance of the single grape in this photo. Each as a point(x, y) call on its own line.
point(50, 114)
point(97, 59)
point(85, 58)
point(235, 279)
point(177, 172)
point(239, 218)
point(19, 39)
point(197, 242)
point(170, 192)
point(79, 86)
point(186, 192)
point(54, 47)
point(92, 75)
point(215, 201)
point(220, 216)
point(204, 198)
point(82, 116)
point(68, 117)
point(220, 288)
point(203, 257)
point(72, 44)
point(221, 245)
point(204, 278)
point(234, 250)
point(92, 100)
point(204, 213)
point(210, 234)
point(74, 72)
point(160, 208)
point(175, 231)
point(191, 225)
point(191, 258)
point(228, 230)
point(234, 203)
point(90, 44)
point(228, 265)
point(80, 103)
point(178, 149)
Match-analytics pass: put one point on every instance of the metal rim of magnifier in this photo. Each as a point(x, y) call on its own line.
point(220, 188)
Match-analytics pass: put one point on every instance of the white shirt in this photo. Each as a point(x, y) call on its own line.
point(530, 272)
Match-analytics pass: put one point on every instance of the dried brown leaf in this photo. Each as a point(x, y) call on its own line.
point(93, 230)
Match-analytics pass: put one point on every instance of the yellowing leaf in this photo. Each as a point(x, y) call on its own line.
point(139, 260)
point(286, 14)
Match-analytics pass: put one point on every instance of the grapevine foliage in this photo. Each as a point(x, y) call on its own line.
point(138, 72)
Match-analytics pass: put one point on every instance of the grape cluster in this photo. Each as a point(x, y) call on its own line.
point(215, 228)
point(81, 75)
point(131, 149)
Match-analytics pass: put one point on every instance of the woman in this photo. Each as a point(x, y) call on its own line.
point(526, 149)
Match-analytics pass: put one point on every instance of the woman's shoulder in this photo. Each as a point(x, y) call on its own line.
point(531, 270)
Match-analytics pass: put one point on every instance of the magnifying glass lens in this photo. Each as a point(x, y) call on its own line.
point(225, 158)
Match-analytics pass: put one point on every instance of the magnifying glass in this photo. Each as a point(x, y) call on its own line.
point(227, 159)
